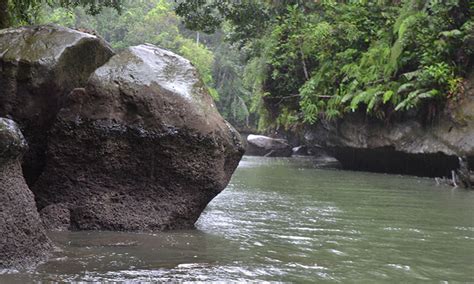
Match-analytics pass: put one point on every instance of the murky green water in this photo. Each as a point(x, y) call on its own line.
point(284, 220)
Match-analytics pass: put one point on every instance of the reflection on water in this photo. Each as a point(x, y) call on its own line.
point(285, 220)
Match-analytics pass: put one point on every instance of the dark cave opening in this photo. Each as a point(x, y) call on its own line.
point(388, 160)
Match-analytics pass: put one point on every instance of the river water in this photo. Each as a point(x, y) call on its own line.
point(287, 220)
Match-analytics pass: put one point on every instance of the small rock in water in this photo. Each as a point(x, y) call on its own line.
point(259, 145)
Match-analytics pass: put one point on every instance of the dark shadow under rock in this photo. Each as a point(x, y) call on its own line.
point(388, 160)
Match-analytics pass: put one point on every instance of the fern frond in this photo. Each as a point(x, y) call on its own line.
point(405, 88)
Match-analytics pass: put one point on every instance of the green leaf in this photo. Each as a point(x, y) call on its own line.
point(372, 103)
point(451, 33)
point(405, 88)
point(387, 96)
point(347, 97)
point(428, 95)
point(357, 99)
point(411, 75)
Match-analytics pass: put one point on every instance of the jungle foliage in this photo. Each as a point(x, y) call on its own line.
point(312, 60)
point(293, 62)
point(23, 12)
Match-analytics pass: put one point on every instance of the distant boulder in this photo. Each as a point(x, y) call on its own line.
point(23, 242)
point(300, 150)
point(141, 148)
point(259, 145)
point(39, 65)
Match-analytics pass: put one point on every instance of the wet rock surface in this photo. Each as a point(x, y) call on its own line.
point(56, 217)
point(39, 65)
point(404, 146)
point(23, 242)
point(141, 148)
point(259, 145)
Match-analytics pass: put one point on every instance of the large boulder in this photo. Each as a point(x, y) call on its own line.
point(23, 242)
point(141, 148)
point(38, 66)
point(259, 145)
point(406, 145)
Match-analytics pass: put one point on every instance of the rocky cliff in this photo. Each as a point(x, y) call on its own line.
point(405, 145)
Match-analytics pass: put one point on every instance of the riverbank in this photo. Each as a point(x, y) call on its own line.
point(405, 143)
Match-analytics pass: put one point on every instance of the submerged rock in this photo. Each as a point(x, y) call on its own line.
point(259, 145)
point(38, 66)
point(404, 146)
point(23, 242)
point(141, 148)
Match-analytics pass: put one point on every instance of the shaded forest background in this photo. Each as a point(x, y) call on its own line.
point(281, 64)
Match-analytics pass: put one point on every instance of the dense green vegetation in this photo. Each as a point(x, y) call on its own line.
point(22, 12)
point(319, 60)
point(294, 62)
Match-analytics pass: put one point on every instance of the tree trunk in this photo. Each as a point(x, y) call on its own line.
point(4, 14)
